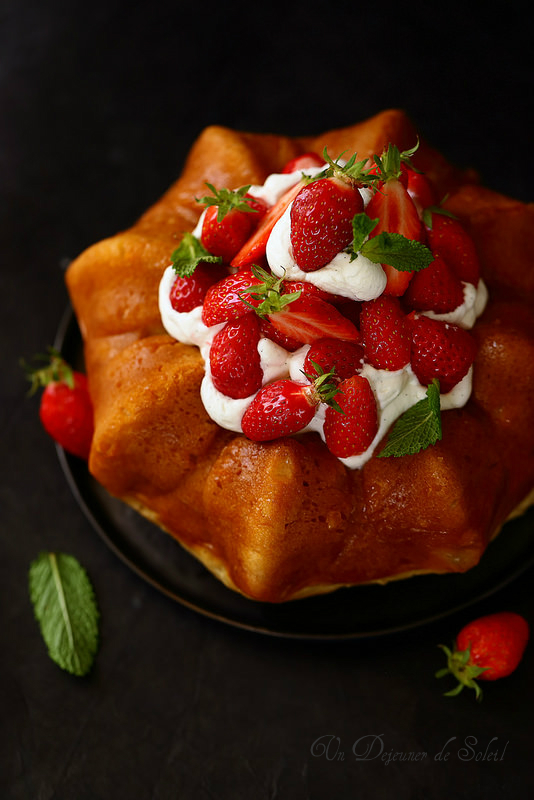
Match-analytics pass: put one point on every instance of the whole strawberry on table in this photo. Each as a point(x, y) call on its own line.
point(486, 649)
point(65, 410)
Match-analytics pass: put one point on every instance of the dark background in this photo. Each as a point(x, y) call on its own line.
point(99, 103)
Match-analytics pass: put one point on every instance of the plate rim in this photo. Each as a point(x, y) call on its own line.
point(69, 326)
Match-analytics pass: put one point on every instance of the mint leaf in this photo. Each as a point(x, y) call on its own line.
point(418, 427)
point(189, 254)
point(65, 607)
point(362, 225)
point(406, 255)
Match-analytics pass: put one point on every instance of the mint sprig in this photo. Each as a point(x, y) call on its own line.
point(189, 254)
point(65, 607)
point(418, 428)
point(405, 255)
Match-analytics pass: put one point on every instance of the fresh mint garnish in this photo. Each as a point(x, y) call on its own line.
point(418, 428)
point(65, 607)
point(405, 255)
point(189, 254)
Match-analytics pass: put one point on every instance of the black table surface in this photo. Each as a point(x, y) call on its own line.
point(99, 103)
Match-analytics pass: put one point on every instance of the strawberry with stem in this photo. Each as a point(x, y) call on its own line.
point(229, 220)
point(65, 410)
point(486, 649)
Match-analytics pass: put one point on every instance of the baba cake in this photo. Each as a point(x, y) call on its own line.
point(279, 513)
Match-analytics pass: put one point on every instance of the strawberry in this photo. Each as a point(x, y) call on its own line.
point(189, 292)
point(66, 410)
point(234, 359)
point(421, 190)
point(396, 212)
point(229, 220)
point(342, 358)
point(254, 248)
point(488, 648)
point(304, 161)
point(223, 300)
point(280, 409)
point(448, 239)
point(440, 350)
point(308, 318)
point(350, 431)
point(436, 288)
point(385, 333)
point(321, 221)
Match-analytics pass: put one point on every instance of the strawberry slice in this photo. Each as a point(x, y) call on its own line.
point(385, 333)
point(440, 350)
point(396, 213)
point(343, 359)
point(254, 248)
point(321, 221)
point(448, 239)
point(435, 288)
point(280, 409)
point(234, 359)
point(308, 318)
point(350, 431)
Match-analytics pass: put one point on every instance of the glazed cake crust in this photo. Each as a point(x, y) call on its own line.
point(286, 519)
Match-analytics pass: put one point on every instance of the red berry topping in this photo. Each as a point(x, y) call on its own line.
point(385, 333)
point(440, 350)
point(349, 432)
point(435, 288)
point(344, 359)
point(280, 409)
point(223, 300)
point(234, 358)
point(448, 239)
point(189, 292)
point(321, 221)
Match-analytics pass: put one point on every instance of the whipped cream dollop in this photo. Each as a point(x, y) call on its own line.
point(360, 279)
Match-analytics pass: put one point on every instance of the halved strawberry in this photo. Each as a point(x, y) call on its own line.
point(254, 248)
point(321, 221)
point(304, 161)
point(308, 318)
point(223, 300)
point(440, 350)
point(189, 292)
point(448, 239)
point(435, 288)
point(396, 213)
point(385, 333)
point(344, 359)
point(350, 431)
point(234, 359)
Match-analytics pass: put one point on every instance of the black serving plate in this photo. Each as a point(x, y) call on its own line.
point(362, 611)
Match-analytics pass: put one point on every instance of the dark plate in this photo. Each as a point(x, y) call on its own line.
point(347, 613)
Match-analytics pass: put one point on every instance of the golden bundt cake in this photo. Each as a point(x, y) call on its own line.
point(286, 518)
